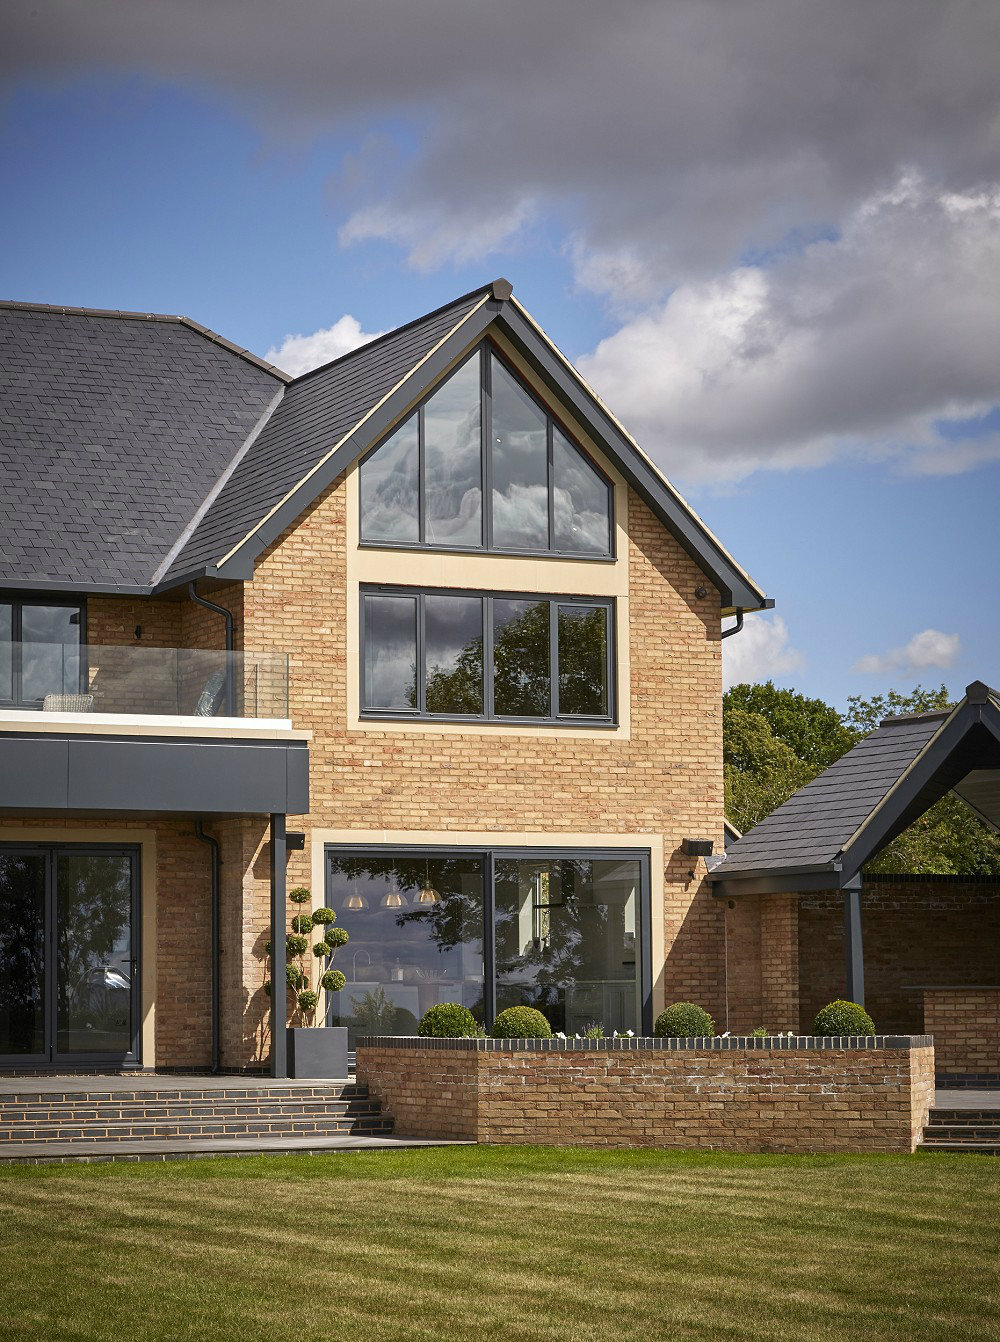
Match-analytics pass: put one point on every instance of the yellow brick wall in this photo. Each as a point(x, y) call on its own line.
point(663, 779)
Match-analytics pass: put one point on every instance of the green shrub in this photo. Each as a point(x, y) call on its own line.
point(448, 1020)
point(294, 976)
point(336, 936)
point(302, 922)
point(521, 1022)
point(594, 1031)
point(300, 895)
point(324, 915)
point(320, 948)
point(308, 999)
point(761, 1032)
point(333, 981)
point(684, 1020)
point(296, 944)
point(843, 1018)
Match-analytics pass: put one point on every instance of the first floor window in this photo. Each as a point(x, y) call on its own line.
point(40, 649)
point(558, 931)
point(507, 657)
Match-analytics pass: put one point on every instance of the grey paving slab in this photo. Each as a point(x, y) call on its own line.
point(962, 1098)
point(44, 1153)
point(82, 1084)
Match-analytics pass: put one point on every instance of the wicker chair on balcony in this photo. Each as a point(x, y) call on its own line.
point(68, 703)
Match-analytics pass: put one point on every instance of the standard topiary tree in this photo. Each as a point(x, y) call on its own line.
point(843, 1018)
point(684, 1020)
point(448, 1020)
point(298, 943)
point(521, 1022)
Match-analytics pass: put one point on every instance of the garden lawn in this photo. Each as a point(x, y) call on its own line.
point(503, 1242)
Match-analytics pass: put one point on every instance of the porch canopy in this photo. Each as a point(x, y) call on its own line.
point(823, 835)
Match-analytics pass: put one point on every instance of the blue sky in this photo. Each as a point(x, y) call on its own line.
point(811, 355)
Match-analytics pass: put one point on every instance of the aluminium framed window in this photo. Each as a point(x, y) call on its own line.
point(43, 648)
point(482, 466)
point(446, 654)
point(475, 924)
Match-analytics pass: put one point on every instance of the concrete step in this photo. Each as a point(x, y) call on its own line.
point(185, 1114)
point(67, 1153)
point(990, 1148)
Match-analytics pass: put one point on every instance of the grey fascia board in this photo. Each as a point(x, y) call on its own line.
point(735, 590)
point(414, 386)
point(947, 739)
point(69, 585)
point(780, 881)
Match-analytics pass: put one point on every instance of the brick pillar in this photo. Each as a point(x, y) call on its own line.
point(244, 887)
point(779, 962)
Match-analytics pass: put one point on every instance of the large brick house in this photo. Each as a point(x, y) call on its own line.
point(422, 630)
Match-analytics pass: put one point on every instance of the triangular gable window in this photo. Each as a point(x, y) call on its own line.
point(424, 486)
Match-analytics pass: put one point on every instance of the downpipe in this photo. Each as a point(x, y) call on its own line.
point(230, 638)
point(215, 863)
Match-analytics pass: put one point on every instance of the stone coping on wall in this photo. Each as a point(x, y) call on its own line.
point(624, 1044)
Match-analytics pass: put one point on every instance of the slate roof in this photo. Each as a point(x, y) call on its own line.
point(113, 428)
point(140, 451)
point(316, 412)
point(869, 795)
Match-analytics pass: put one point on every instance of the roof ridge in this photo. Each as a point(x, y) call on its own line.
point(396, 330)
point(15, 305)
point(930, 714)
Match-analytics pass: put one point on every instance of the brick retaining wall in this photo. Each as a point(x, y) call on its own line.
point(777, 1095)
point(965, 1023)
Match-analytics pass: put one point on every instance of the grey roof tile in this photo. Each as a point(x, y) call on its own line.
point(112, 431)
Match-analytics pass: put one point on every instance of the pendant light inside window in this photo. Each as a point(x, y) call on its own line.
point(427, 894)
point(394, 897)
point(355, 899)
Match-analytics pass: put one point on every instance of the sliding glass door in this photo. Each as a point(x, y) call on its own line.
point(68, 954)
point(561, 930)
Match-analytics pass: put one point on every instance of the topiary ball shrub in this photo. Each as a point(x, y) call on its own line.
point(521, 1022)
point(294, 976)
point(323, 915)
point(333, 981)
point(295, 944)
point(843, 1018)
point(336, 936)
point(448, 1020)
point(300, 895)
point(684, 1020)
point(302, 922)
point(308, 999)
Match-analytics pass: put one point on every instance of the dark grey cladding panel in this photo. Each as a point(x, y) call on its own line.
point(316, 411)
point(88, 773)
point(112, 433)
point(33, 772)
point(812, 827)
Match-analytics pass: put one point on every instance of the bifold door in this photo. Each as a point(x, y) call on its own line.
point(69, 972)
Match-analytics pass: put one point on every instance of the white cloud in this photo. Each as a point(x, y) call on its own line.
point(759, 652)
point(925, 650)
point(857, 344)
point(298, 353)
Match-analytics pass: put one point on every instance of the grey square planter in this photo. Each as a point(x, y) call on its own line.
point(317, 1051)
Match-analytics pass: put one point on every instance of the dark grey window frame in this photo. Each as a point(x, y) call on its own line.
point(607, 721)
point(18, 600)
point(557, 852)
point(51, 1055)
point(486, 546)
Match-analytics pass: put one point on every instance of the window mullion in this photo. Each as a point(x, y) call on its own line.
point(421, 669)
point(550, 483)
point(487, 447)
point(488, 656)
point(554, 658)
point(489, 940)
point(421, 481)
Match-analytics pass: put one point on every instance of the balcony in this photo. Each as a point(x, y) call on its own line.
point(134, 728)
point(139, 681)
